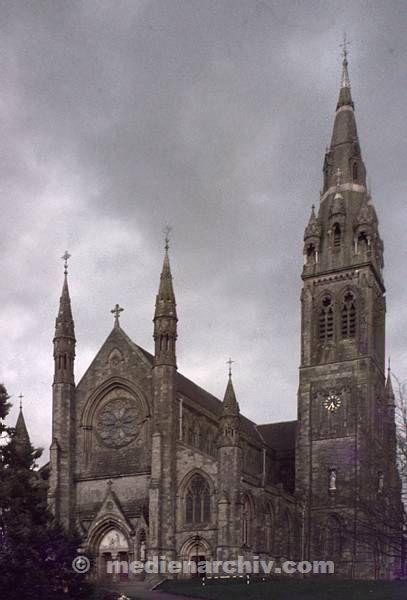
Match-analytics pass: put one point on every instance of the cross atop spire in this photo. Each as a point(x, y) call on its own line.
point(167, 230)
point(21, 400)
point(64, 339)
point(116, 312)
point(65, 258)
point(344, 46)
point(345, 81)
point(230, 363)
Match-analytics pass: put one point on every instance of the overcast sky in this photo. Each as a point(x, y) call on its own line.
point(212, 116)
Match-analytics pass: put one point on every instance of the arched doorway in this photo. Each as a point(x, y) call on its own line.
point(196, 550)
point(113, 547)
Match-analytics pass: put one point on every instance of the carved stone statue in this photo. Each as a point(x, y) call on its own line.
point(332, 480)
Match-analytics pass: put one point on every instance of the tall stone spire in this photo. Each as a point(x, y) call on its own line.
point(60, 497)
point(230, 470)
point(162, 492)
point(344, 151)
point(64, 339)
point(165, 317)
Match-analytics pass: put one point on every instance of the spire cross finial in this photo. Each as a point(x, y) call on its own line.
point(116, 312)
point(65, 258)
point(344, 47)
point(167, 231)
point(338, 176)
point(389, 368)
point(21, 400)
point(230, 363)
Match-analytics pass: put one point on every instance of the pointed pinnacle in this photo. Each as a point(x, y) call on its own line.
point(230, 403)
point(21, 434)
point(345, 81)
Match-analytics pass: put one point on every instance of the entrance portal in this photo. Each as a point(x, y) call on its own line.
point(196, 551)
point(113, 551)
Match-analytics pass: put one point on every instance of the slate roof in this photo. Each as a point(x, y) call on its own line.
point(207, 401)
point(280, 436)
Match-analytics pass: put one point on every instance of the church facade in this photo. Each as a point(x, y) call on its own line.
point(146, 463)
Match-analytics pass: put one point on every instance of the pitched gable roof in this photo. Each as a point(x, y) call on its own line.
point(280, 436)
point(206, 400)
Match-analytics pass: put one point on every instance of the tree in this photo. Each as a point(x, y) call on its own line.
point(400, 393)
point(35, 553)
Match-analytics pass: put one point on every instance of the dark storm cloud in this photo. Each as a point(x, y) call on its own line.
point(120, 117)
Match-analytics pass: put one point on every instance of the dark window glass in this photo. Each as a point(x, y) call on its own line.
point(348, 316)
point(337, 235)
point(197, 501)
point(326, 320)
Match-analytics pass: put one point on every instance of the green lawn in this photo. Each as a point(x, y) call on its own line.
point(305, 589)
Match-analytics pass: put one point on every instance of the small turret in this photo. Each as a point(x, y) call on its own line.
point(312, 239)
point(64, 339)
point(229, 434)
point(230, 467)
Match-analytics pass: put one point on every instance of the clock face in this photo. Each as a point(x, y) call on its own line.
point(332, 402)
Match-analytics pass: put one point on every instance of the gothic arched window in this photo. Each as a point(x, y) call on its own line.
point(311, 254)
point(363, 241)
point(337, 235)
point(348, 316)
point(326, 320)
point(197, 501)
point(247, 522)
point(333, 538)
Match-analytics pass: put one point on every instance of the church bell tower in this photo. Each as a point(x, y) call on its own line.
point(345, 461)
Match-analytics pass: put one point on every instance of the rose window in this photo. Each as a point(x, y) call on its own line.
point(117, 423)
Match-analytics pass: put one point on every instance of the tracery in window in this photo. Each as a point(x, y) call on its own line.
point(197, 501)
point(326, 320)
point(348, 316)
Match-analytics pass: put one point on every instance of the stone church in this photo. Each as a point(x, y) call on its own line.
point(146, 462)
